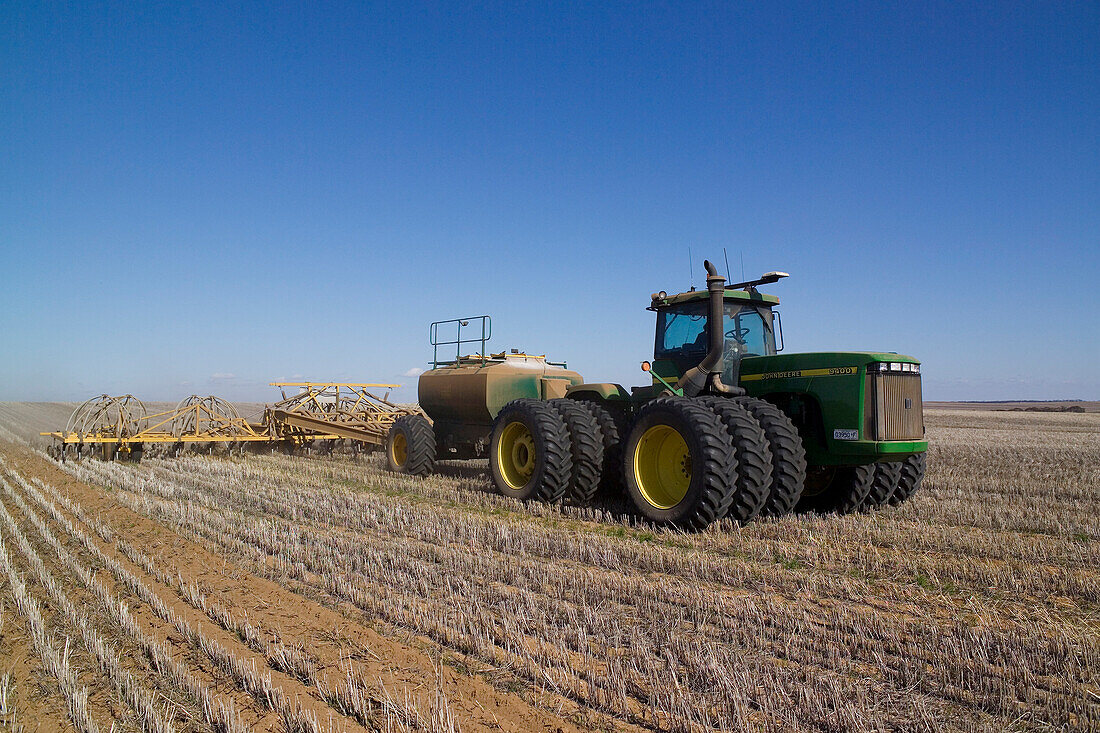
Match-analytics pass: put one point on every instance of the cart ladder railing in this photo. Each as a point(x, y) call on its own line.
point(482, 331)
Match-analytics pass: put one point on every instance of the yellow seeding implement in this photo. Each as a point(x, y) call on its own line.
point(318, 415)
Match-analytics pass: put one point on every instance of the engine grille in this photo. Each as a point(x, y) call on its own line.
point(893, 409)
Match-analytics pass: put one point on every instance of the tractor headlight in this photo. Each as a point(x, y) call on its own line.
point(893, 367)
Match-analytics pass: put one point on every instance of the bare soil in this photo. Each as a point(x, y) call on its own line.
point(32, 697)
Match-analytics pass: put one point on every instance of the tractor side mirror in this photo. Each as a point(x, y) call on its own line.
point(646, 366)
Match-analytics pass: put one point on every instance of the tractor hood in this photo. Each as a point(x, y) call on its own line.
point(815, 364)
point(850, 406)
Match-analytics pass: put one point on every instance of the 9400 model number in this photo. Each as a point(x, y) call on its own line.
point(796, 373)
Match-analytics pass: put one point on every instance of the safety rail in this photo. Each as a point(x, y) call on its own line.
point(486, 323)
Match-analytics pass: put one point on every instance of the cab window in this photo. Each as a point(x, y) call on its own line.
point(748, 332)
point(682, 332)
point(682, 335)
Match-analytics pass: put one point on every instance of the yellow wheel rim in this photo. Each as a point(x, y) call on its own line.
point(399, 449)
point(662, 466)
point(516, 455)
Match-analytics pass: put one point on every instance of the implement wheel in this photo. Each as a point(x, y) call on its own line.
point(679, 463)
point(912, 473)
point(410, 446)
point(530, 455)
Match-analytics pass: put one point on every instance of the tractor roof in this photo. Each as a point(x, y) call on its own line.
point(749, 296)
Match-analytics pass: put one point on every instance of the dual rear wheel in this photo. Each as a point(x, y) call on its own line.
point(530, 455)
point(548, 450)
point(686, 462)
point(743, 458)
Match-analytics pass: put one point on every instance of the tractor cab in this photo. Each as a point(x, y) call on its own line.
point(749, 327)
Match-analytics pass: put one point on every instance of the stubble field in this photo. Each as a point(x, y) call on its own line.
point(289, 593)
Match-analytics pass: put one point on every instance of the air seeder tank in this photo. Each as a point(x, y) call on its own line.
point(463, 397)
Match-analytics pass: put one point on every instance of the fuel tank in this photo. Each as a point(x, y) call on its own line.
point(472, 390)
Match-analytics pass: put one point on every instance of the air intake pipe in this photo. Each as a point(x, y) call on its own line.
point(707, 377)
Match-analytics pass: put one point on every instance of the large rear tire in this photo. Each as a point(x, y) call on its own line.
point(613, 429)
point(586, 449)
point(882, 486)
point(912, 474)
point(839, 489)
point(529, 455)
point(788, 457)
point(753, 457)
point(679, 464)
point(410, 446)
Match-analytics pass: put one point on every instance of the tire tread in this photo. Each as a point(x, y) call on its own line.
point(420, 444)
point(883, 485)
point(613, 430)
point(912, 474)
point(586, 448)
point(752, 457)
point(788, 457)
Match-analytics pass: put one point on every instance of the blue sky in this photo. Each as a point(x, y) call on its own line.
point(205, 198)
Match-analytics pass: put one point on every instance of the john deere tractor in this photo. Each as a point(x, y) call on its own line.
point(729, 427)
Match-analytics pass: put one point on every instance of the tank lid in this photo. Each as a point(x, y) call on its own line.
point(516, 354)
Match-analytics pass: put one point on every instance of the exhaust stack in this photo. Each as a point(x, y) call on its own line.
point(707, 377)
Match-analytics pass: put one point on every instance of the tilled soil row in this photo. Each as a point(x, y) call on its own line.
point(155, 655)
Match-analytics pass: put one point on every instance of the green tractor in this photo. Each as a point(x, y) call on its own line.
point(728, 428)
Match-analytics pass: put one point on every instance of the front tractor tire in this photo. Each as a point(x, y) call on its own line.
point(912, 473)
point(840, 489)
point(679, 464)
point(410, 446)
point(530, 455)
point(883, 485)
